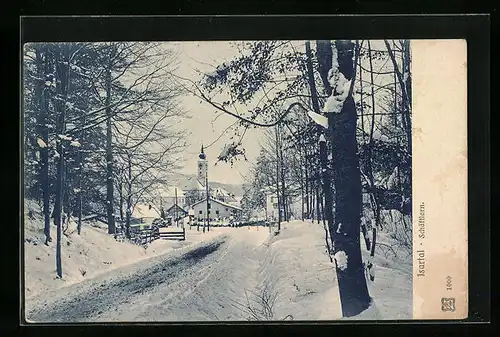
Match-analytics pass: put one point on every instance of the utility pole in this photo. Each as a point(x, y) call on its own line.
point(208, 203)
point(176, 217)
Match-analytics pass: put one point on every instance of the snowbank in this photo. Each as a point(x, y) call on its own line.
point(85, 256)
point(392, 289)
point(298, 272)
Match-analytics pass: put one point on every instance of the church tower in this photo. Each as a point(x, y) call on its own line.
point(202, 167)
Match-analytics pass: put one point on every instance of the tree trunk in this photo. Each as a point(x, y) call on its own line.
point(362, 103)
point(129, 197)
point(284, 199)
point(375, 201)
point(372, 252)
point(302, 192)
point(79, 194)
point(318, 202)
point(121, 206)
point(310, 78)
point(63, 74)
point(307, 189)
point(44, 135)
point(327, 184)
point(345, 233)
point(277, 180)
point(109, 155)
point(80, 175)
point(324, 55)
point(407, 83)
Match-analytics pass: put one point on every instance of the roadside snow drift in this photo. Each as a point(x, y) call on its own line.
point(298, 272)
point(87, 255)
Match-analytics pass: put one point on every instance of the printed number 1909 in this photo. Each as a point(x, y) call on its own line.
point(448, 283)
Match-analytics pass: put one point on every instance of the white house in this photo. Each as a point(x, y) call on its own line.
point(218, 210)
point(145, 213)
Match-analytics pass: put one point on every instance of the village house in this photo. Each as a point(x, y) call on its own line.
point(175, 212)
point(217, 210)
point(143, 213)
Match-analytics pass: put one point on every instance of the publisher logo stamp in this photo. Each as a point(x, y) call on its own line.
point(448, 304)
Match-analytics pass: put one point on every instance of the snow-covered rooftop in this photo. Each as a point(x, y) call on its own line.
point(219, 202)
point(169, 191)
point(143, 211)
point(194, 184)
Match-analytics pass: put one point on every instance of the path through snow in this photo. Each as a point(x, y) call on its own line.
point(201, 283)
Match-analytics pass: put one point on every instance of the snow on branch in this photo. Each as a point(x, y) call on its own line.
point(318, 119)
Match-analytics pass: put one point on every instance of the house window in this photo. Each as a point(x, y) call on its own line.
point(208, 212)
point(217, 212)
point(226, 209)
point(201, 212)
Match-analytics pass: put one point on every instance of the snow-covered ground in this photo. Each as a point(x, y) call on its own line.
point(245, 273)
point(392, 288)
point(298, 271)
point(87, 255)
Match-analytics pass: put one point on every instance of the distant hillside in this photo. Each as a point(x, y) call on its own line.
point(236, 189)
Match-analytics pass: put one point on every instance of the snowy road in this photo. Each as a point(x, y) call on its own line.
point(204, 282)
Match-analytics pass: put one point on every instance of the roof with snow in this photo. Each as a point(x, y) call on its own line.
point(194, 184)
point(143, 211)
point(169, 191)
point(218, 202)
point(220, 192)
point(172, 208)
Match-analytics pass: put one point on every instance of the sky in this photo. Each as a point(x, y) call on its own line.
point(204, 124)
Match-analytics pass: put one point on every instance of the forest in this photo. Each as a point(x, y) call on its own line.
point(98, 130)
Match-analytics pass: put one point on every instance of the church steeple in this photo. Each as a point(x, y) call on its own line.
point(202, 154)
point(202, 167)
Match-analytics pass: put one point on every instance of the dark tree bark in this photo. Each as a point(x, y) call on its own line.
point(79, 194)
point(128, 213)
point(405, 84)
point(307, 184)
point(372, 251)
point(373, 196)
point(122, 218)
point(345, 233)
point(44, 135)
point(284, 199)
point(63, 75)
point(327, 185)
point(277, 180)
point(80, 177)
point(318, 204)
point(324, 54)
point(310, 78)
point(302, 192)
point(109, 154)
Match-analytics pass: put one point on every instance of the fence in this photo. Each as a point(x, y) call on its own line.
point(147, 235)
point(173, 234)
